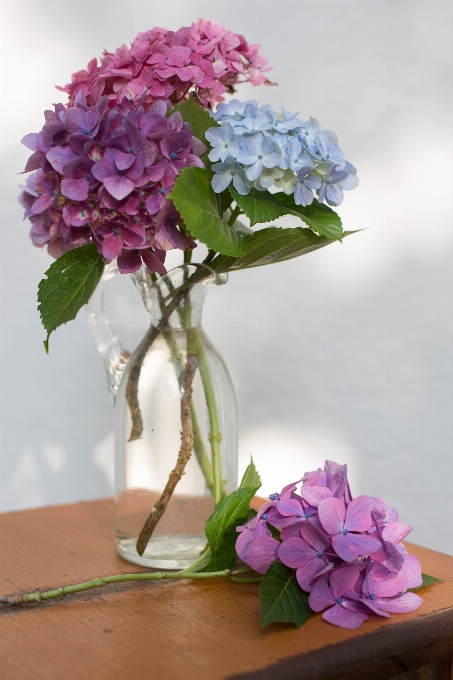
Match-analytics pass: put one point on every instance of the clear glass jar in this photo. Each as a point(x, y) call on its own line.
point(176, 434)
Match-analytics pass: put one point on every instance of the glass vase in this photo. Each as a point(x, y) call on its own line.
point(176, 440)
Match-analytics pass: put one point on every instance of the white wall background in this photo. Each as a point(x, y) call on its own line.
point(342, 354)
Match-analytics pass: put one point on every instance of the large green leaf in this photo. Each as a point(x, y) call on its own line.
point(71, 281)
point(262, 206)
point(281, 598)
point(427, 581)
point(199, 121)
point(220, 528)
point(202, 210)
point(233, 511)
point(318, 216)
point(272, 245)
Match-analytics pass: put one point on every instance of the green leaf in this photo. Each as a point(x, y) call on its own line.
point(220, 528)
point(251, 477)
point(262, 206)
point(202, 210)
point(271, 245)
point(259, 206)
point(281, 597)
point(199, 121)
point(318, 216)
point(427, 581)
point(71, 281)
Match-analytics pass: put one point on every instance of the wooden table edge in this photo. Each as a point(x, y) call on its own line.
point(400, 649)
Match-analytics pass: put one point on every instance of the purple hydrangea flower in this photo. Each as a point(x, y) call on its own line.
point(311, 555)
point(346, 526)
point(337, 597)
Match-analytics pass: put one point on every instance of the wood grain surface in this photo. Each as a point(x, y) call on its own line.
point(184, 630)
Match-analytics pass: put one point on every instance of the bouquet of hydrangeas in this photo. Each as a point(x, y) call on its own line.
point(142, 161)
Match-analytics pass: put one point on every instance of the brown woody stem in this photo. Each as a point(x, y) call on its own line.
point(185, 451)
point(137, 358)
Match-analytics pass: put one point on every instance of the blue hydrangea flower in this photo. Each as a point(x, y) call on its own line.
point(229, 171)
point(286, 182)
point(258, 147)
point(328, 151)
point(283, 122)
point(258, 152)
point(234, 110)
point(295, 156)
point(331, 189)
point(308, 133)
point(268, 178)
point(223, 142)
point(251, 125)
point(305, 184)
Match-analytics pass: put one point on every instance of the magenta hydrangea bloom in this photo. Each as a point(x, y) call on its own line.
point(163, 65)
point(347, 552)
point(99, 177)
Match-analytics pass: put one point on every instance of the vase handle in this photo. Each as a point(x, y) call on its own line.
point(113, 353)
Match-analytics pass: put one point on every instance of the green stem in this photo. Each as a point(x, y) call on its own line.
point(187, 256)
point(210, 256)
point(241, 570)
point(234, 215)
point(245, 580)
point(99, 582)
point(215, 436)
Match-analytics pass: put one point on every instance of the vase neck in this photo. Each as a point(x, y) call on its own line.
point(176, 300)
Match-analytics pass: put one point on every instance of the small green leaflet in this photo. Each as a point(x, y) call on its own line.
point(251, 477)
point(200, 563)
point(262, 206)
point(281, 598)
point(427, 581)
point(71, 281)
point(202, 210)
point(271, 245)
point(199, 121)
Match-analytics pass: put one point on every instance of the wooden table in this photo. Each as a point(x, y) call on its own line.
point(187, 630)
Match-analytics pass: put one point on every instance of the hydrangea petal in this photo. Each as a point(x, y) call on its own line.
point(320, 596)
point(358, 514)
point(407, 602)
point(332, 514)
point(315, 494)
point(344, 618)
point(314, 537)
point(295, 552)
point(307, 573)
point(261, 553)
point(119, 186)
point(344, 579)
point(75, 189)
